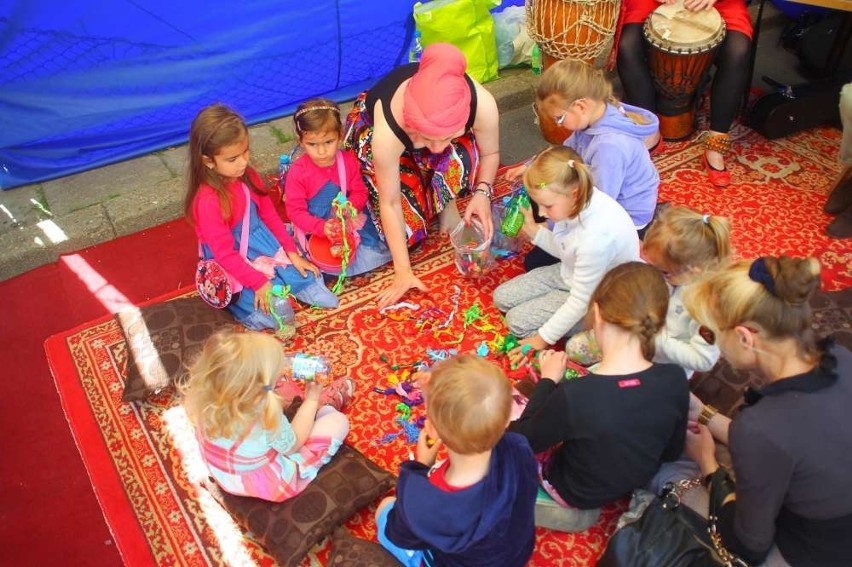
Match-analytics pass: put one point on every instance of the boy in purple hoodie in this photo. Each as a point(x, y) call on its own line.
point(476, 507)
point(609, 136)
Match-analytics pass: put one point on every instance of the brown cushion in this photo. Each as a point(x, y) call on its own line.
point(289, 529)
point(162, 339)
point(350, 551)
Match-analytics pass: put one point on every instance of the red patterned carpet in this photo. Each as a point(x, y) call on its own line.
point(148, 489)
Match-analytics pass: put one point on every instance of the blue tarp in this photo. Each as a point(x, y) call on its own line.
point(84, 83)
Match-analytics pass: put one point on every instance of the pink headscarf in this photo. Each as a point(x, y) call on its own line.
point(437, 99)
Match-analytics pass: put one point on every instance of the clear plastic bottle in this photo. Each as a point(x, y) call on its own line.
point(283, 168)
point(535, 59)
point(514, 219)
point(282, 310)
point(416, 49)
point(302, 366)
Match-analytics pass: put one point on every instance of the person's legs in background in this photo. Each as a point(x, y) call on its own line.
point(635, 75)
point(839, 200)
point(725, 101)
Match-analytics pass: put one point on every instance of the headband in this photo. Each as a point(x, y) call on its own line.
point(312, 108)
point(759, 273)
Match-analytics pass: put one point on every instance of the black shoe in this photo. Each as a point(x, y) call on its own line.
point(841, 227)
point(840, 196)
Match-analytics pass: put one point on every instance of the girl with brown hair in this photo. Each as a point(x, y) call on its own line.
point(601, 436)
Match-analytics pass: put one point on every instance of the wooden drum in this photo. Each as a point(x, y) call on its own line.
point(682, 46)
point(572, 29)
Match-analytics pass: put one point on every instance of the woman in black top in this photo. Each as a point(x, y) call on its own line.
point(791, 445)
point(424, 134)
point(609, 432)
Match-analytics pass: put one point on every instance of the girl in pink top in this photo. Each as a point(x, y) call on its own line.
point(220, 177)
point(313, 183)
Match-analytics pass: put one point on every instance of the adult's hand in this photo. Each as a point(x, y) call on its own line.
point(480, 207)
point(401, 283)
point(698, 5)
point(701, 448)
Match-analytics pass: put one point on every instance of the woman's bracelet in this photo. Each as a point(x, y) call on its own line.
point(707, 413)
point(485, 188)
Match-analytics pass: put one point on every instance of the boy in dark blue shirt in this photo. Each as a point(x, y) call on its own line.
point(476, 507)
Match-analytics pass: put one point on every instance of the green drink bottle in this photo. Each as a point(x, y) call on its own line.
point(514, 218)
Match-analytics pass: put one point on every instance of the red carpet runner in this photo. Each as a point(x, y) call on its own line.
point(148, 493)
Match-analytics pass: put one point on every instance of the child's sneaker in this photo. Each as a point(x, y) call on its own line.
point(549, 514)
point(338, 393)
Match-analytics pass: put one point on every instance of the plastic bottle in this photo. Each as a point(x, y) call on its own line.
point(283, 168)
point(301, 366)
point(416, 49)
point(535, 59)
point(514, 219)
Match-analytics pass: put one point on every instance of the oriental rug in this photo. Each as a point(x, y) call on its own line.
point(148, 488)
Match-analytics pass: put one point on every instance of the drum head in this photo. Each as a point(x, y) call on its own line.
point(674, 28)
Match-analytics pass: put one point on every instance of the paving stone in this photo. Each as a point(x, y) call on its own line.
point(80, 191)
point(159, 203)
point(33, 246)
point(18, 207)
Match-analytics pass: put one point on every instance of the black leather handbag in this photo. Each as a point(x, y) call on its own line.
point(668, 534)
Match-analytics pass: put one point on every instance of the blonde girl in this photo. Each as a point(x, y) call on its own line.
point(219, 181)
point(683, 244)
point(790, 443)
point(590, 457)
point(591, 234)
point(575, 101)
point(250, 447)
point(314, 181)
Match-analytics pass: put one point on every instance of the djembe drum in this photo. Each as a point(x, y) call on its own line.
point(682, 46)
point(572, 29)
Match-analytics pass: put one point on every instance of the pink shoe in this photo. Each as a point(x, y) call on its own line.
point(338, 393)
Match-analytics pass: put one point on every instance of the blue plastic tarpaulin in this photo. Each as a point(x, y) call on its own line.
point(84, 83)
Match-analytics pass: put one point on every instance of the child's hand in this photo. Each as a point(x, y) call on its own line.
point(520, 354)
point(261, 297)
point(553, 364)
point(421, 378)
point(514, 172)
point(530, 227)
point(313, 390)
point(302, 264)
point(427, 448)
point(332, 230)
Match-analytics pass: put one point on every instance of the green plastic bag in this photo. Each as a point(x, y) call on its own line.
point(468, 25)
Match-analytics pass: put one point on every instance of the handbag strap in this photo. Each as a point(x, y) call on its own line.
point(245, 228)
point(671, 500)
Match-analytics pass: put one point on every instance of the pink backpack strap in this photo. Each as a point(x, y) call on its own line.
point(244, 231)
point(341, 173)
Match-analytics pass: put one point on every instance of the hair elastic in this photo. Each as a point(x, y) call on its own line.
point(759, 273)
point(267, 388)
point(571, 163)
point(312, 108)
point(705, 219)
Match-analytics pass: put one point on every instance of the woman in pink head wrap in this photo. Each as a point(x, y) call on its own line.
point(424, 134)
